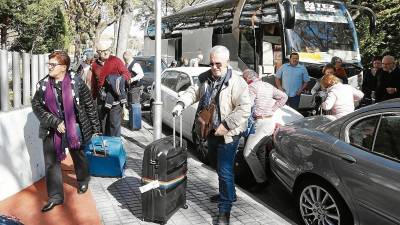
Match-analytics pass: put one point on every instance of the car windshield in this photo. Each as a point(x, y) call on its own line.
point(148, 65)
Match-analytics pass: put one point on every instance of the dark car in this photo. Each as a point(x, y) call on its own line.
point(147, 63)
point(343, 171)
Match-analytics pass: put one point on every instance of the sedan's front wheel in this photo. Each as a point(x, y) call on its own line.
point(201, 149)
point(320, 204)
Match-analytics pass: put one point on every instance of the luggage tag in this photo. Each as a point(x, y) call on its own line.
point(150, 186)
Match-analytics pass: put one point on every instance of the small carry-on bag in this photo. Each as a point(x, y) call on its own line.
point(164, 177)
point(135, 116)
point(106, 156)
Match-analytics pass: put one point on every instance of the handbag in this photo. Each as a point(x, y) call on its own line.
point(204, 120)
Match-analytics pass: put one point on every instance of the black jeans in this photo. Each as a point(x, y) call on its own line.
point(110, 120)
point(55, 190)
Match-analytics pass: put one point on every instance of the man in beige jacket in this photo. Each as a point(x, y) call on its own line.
point(231, 96)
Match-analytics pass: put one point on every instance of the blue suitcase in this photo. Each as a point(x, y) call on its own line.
point(106, 156)
point(135, 116)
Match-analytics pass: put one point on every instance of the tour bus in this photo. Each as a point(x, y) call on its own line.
point(262, 34)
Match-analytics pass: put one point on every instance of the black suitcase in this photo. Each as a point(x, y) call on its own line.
point(165, 163)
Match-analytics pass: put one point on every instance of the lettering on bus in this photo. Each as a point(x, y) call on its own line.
point(318, 7)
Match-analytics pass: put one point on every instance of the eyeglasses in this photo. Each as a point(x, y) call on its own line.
point(102, 51)
point(52, 65)
point(218, 64)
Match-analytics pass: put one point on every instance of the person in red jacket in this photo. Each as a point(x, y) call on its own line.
point(104, 66)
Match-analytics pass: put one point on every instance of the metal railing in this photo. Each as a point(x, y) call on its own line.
point(19, 74)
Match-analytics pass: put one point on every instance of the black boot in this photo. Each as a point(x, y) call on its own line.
point(223, 218)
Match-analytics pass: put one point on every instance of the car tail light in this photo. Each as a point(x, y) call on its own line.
point(276, 129)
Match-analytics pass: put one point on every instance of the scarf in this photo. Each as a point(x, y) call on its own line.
point(212, 94)
point(69, 116)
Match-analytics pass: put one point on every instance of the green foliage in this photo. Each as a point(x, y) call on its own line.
point(38, 26)
point(386, 39)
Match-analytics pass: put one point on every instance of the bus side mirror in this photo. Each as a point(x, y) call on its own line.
point(289, 14)
point(368, 12)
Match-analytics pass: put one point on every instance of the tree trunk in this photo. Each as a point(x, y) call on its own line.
point(77, 49)
point(3, 37)
point(115, 40)
point(124, 27)
point(3, 31)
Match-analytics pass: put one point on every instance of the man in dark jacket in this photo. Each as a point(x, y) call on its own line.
point(388, 80)
point(369, 79)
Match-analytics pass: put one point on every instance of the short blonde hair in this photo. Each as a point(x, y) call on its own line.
point(328, 81)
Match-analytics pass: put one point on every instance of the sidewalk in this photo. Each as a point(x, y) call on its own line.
point(118, 200)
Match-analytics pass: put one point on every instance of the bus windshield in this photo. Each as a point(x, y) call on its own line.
point(323, 27)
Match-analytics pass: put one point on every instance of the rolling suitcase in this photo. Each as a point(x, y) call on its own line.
point(106, 156)
point(164, 177)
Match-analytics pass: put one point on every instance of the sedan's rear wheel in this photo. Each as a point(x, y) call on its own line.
point(320, 204)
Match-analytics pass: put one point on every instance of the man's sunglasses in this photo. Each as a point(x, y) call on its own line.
point(216, 64)
point(102, 51)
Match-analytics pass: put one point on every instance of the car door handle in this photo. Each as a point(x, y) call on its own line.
point(348, 158)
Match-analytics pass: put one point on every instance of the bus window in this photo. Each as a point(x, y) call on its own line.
point(271, 38)
point(246, 47)
point(277, 57)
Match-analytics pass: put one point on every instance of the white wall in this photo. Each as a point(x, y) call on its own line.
point(21, 154)
point(167, 47)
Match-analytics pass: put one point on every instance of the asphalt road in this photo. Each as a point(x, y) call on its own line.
point(275, 195)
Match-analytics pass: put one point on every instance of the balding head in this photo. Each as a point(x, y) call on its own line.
point(128, 56)
point(250, 75)
point(388, 63)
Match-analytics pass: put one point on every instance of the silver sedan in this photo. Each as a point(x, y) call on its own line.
point(344, 171)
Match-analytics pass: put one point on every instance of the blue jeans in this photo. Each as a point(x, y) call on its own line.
point(294, 102)
point(225, 162)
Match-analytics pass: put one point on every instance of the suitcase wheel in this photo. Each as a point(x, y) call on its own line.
point(185, 206)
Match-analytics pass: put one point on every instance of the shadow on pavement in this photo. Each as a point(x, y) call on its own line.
point(127, 193)
point(134, 141)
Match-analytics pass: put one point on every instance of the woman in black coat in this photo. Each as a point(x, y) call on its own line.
point(68, 119)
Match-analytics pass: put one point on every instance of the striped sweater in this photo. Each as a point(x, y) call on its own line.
point(266, 98)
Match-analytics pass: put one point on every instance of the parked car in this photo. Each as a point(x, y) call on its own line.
point(343, 171)
point(147, 64)
point(177, 80)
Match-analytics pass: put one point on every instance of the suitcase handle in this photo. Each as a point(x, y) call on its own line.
point(174, 130)
point(103, 147)
point(100, 153)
